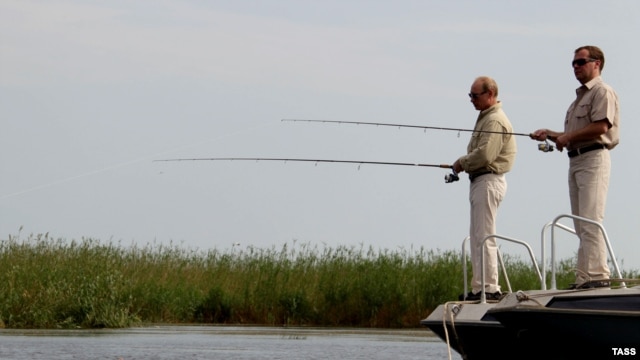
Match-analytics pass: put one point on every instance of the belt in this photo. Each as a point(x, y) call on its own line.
point(582, 150)
point(478, 174)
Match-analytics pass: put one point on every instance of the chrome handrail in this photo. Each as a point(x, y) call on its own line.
point(464, 267)
point(554, 224)
point(541, 273)
point(483, 296)
point(543, 283)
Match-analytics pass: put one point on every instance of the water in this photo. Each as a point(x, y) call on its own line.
point(222, 342)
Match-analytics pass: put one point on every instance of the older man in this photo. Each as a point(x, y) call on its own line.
point(591, 129)
point(490, 154)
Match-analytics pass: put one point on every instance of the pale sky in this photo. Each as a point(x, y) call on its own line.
point(91, 92)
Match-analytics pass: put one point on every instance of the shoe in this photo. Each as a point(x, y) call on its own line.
point(474, 297)
point(591, 285)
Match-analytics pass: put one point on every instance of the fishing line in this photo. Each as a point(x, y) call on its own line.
point(126, 163)
point(61, 181)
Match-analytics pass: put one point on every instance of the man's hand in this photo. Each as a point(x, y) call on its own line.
point(457, 167)
point(561, 139)
point(540, 134)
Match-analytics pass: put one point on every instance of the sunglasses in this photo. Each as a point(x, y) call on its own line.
point(475, 96)
point(581, 62)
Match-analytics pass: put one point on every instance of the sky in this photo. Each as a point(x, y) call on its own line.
point(93, 92)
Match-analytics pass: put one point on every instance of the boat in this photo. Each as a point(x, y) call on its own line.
point(592, 323)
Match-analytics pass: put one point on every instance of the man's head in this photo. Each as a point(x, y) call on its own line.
point(588, 62)
point(484, 93)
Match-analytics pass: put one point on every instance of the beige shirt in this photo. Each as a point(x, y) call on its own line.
point(491, 151)
point(595, 101)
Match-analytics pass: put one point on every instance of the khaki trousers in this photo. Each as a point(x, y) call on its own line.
point(485, 195)
point(588, 186)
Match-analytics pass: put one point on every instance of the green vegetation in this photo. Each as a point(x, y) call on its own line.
point(54, 283)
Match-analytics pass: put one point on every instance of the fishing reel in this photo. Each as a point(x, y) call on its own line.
point(545, 147)
point(449, 178)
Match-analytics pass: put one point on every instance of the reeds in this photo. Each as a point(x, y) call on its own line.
point(54, 283)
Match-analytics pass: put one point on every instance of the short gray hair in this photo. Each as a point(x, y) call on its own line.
point(488, 84)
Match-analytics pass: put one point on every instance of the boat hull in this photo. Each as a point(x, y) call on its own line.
point(585, 334)
point(598, 324)
point(466, 328)
point(471, 341)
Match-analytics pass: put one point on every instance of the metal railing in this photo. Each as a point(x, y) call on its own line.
point(553, 225)
point(483, 297)
point(541, 272)
point(464, 266)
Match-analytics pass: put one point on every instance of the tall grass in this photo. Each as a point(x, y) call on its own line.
point(55, 283)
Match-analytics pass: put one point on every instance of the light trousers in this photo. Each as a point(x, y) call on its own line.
point(588, 187)
point(485, 195)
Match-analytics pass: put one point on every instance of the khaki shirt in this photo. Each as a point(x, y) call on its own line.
point(595, 101)
point(490, 151)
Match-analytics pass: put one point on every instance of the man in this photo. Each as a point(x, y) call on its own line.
point(490, 154)
point(591, 129)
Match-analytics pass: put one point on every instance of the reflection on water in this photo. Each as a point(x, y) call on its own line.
point(222, 342)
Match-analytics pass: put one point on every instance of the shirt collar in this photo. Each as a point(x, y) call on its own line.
point(491, 108)
point(591, 83)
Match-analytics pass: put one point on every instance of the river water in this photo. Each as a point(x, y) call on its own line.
point(222, 342)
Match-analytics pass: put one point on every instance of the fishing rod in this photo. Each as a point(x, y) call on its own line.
point(545, 147)
point(449, 178)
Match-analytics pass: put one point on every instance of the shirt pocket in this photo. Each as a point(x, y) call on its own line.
point(473, 142)
point(583, 112)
